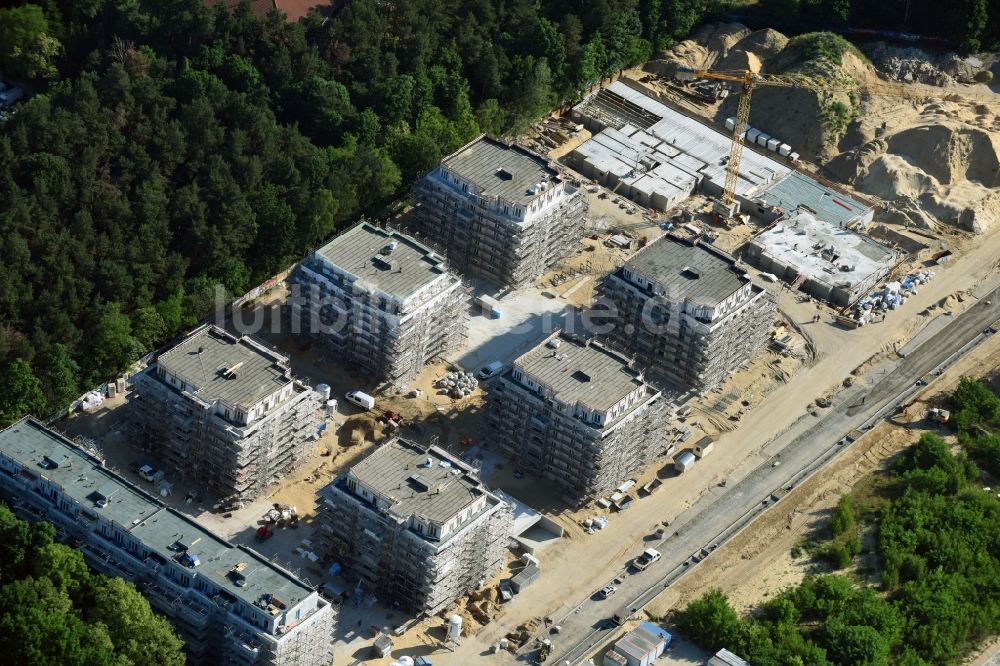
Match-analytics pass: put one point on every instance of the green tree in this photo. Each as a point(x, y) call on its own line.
point(968, 20)
point(491, 117)
point(58, 372)
point(854, 644)
point(710, 621)
point(26, 47)
point(551, 46)
point(148, 326)
point(593, 62)
point(138, 634)
point(112, 345)
point(20, 393)
point(843, 518)
point(53, 610)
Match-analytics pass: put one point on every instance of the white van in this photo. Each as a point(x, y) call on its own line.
point(361, 399)
point(490, 370)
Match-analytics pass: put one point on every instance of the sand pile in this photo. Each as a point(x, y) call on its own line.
point(940, 166)
point(707, 46)
point(934, 160)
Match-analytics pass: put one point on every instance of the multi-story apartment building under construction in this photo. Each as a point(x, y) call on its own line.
point(228, 603)
point(382, 302)
point(686, 313)
point(223, 413)
point(415, 525)
point(576, 414)
point(499, 211)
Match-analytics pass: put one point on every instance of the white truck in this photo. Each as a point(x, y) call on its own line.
point(647, 557)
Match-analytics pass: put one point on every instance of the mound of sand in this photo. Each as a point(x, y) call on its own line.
point(936, 162)
point(740, 60)
point(941, 171)
point(707, 46)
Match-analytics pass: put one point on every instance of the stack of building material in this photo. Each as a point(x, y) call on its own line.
point(458, 384)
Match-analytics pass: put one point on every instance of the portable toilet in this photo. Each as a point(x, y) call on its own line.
point(704, 446)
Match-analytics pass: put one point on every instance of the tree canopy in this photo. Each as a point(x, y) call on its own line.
point(167, 147)
point(937, 544)
point(53, 610)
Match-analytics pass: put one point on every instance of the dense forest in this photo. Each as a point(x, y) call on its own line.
point(968, 25)
point(53, 610)
point(167, 147)
point(935, 592)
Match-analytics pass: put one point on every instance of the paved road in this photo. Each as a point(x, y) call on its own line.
point(808, 445)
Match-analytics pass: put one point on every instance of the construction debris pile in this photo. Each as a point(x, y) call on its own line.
point(552, 133)
point(523, 633)
point(890, 297)
point(913, 65)
point(458, 384)
point(592, 525)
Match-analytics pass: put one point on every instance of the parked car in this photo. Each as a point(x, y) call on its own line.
point(607, 591)
point(147, 472)
point(647, 557)
point(361, 399)
point(490, 370)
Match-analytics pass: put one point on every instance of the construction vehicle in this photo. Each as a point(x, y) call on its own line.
point(264, 532)
point(748, 81)
point(939, 415)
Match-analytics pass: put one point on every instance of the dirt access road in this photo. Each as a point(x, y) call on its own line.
point(737, 454)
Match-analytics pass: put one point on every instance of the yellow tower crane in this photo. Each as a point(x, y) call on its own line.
point(748, 81)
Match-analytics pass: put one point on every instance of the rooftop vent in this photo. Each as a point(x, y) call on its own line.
point(690, 273)
point(55, 463)
point(233, 371)
point(416, 483)
point(581, 376)
point(503, 174)
point(388, 248)
point(383, 262)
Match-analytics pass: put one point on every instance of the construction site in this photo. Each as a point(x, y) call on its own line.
point(229, 603)
point(575, 428)
point(687, 314)
point(577, 415)
point(499, 212)
point(381, 302)
point(414, 525)
point(816, 259)
point(224, 413)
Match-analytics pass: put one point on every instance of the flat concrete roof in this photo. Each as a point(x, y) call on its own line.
point(643, 128)
point(204, 356)
point(686, 270)
point(498, 169)
point(160, 528)
point(726, 658)
point(822, 251)
point(797, 192)
point(398, 470)
point(410, 266)
point(578, 373)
